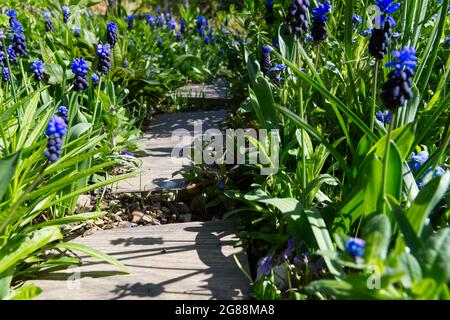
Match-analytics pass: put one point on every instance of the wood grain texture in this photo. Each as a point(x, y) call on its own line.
point(175, 261)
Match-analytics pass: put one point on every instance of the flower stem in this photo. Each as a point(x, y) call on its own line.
point(374, 99)
point(302, 133)
point(381, 201)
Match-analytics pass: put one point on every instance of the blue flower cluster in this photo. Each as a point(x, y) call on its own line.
point(397, 90)
point(183, 26)
point(265, 60)
point(160, 42)
point(270, 14)
point(319, 30)
point(202, 25)
point(130, 22)
point(264, 267)
point(63, 112)
point(56, 130)
point(38, 69)
point(80, 70)
point(355, 247)
point(111, 33)
point(66, 13)
point(95, 79)
point(298, 17)
point(104, 57)
point(48, 22)
point(416, 162)
point(5, 75)
point(385, 117)
point(19, 42)
point(151, 20)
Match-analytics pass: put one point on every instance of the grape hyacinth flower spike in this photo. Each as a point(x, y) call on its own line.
point(159, 42)
point(182, 26)
point(76, 32)
point(63, 112)
point(319, 30)
point(80, 70)
point(270, 14)
point(355, 247)
point(38, 69)
point(130, 22)
point(19, 42)
point(151, 20)
point(111, 33)
point(275, 73)
point(13, 57)
point(56, 130)
point(298, 17)
point(95, 79)
point(66, 13)
point(104, 57)
point(264, 267)
point(48, 22)
point(382, 33)
point(397, 89)
point(265, 60)
point(6, 76)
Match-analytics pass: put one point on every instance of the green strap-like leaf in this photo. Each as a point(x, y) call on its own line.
point(93, 253)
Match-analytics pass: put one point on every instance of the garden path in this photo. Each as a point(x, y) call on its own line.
point(160, 168)
point(191, 261)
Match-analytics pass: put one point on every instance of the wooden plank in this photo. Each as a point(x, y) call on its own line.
point(175, 261)
point(159, 167)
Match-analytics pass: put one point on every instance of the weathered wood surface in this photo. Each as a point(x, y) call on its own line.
point(212, 93)
point(159, 167)
point(176, 261)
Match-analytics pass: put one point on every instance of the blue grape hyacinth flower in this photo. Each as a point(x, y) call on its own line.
point(405, 59)
point(264, 267)
point(12, 55)
point(80, 70)
point(66, 13)
point(265, 60)
point(130, 22)
point(320, 16)
point(95, 79)
point(11, 13)
point(151, 20)
point(111, 33)
point(179, 36)
point(63, 112)
point(160, 21)
point(356, 19)
point(321, 11)
point(160, 42)
point(56, 130)
point(397, 89)
point(6, 76)
point(38, 69)
point(48, 22)
point(387, 7)
point(76, 32)
point(355, 247)
point(104, 57)
point(183, 25)
point(416, 162)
